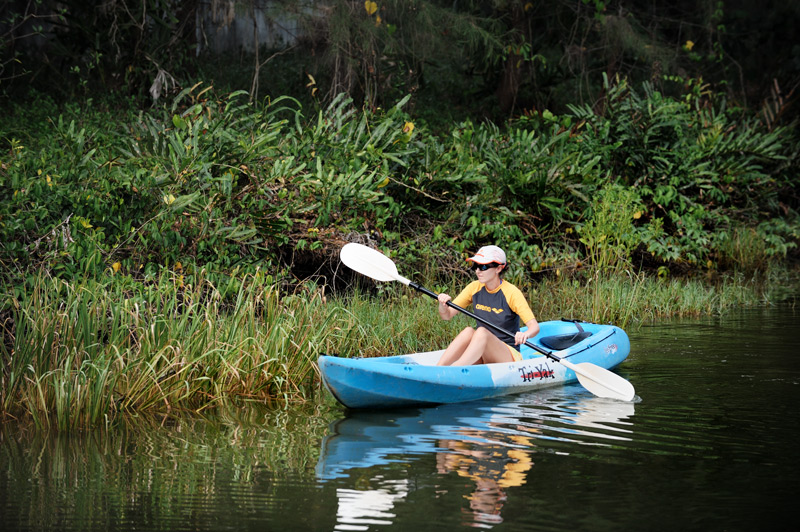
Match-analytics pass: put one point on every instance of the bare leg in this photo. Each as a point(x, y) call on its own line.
point(456, 347)
point(484, 345)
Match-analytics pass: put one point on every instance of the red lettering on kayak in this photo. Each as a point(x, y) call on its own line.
point(541, 372)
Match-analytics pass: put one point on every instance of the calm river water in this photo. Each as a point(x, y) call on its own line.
point(710, 444)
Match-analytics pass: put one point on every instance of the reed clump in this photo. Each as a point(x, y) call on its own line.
point(632, 299)
point(82, 353)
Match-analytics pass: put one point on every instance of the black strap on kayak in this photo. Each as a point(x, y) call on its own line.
point(563, 341)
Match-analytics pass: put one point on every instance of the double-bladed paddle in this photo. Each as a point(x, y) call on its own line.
point(374, 264)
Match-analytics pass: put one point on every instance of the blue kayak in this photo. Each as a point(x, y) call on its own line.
point(406, 380)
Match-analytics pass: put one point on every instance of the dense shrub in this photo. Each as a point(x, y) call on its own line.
point(700, 169)
point(218, 182)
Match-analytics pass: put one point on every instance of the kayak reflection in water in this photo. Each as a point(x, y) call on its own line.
point(496, 301)
point(494, 466)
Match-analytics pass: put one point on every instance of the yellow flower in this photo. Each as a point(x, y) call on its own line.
point(689, 45)
point(408, 127)
point(169, 199)
point(116, 266)
point(528, 6)
point(49, 181)
point(178, 266)
point(637, 215)
point(371, 7)
point(377, 20)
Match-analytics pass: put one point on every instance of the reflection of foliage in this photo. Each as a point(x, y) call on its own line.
point(165, 465)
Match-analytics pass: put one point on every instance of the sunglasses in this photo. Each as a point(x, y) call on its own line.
point(484, 267)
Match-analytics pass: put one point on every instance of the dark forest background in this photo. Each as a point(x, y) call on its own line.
point(493, 59)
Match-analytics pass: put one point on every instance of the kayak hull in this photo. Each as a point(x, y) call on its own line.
point(406, 380)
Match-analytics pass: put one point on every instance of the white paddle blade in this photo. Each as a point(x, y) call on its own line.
point(370, 262)
point(601, 382)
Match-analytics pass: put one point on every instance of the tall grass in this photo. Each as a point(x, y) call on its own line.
point(396, 322)
point(631, 299)
point(83, 353)
point(80, 354)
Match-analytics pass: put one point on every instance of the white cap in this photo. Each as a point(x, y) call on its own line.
point(489, 254)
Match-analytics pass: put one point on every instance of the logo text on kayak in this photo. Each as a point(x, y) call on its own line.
point(540, 372)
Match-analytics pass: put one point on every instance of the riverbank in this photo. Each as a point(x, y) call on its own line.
point(81, 354)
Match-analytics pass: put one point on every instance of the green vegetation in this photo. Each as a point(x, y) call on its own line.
point(185, 254)
point(84, 351)
point(158, 265)
point(83, 354)
point(218, 183)
point(464, 59)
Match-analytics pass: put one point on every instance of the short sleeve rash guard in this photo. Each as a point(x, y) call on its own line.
point(504, 307)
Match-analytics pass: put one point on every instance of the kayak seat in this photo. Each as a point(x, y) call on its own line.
point(563, 341)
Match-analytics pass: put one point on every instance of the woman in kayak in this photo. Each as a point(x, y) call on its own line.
point(496, 301)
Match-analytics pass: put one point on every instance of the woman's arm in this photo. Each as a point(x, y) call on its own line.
point(533, 330)
point(445, 312)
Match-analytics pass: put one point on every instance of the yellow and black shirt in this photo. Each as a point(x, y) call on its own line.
point(504, 307)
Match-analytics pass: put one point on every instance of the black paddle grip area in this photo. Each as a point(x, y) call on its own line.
point(424, 290)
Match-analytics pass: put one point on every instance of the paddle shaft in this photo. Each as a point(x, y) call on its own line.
point(483, 321)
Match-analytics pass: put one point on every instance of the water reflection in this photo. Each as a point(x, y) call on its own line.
point(358, 509)
point(492, 443)
point(713, 446)
point(493, 466)
point(167, 473)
